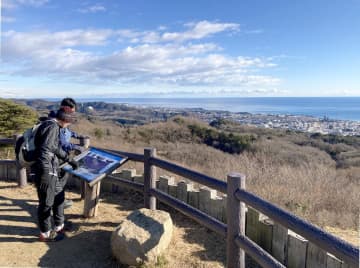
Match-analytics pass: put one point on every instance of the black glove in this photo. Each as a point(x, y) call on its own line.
point(44, 182)
point(73, 164)
point(78, 148)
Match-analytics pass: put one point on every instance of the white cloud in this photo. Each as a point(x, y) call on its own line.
point(15, 93)
point(162, 28)
point(199, 30)
point(196, 31)
point(11, 4)
point(150, 57)
point(93, 9)
point(18, 43)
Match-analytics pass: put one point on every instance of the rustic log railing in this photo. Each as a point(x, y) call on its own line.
point(235, 229)
point(237, 242)
point(322, 239)
point(20, 171)
point(237, 197)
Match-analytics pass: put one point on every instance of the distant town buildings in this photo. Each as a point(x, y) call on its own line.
point(292, 122)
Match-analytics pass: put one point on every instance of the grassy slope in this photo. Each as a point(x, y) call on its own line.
point(289, 169)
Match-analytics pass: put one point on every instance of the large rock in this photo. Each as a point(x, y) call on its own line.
point(142, 237)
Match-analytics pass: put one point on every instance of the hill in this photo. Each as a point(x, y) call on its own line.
point(316, 177)
point(122, 114)
point(289, 169)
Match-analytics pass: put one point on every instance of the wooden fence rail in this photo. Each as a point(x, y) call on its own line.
point(257, 253)
point(21, 172)
point(322, 239)
point(237, 242)
point(7, 141)
point(190, 174)
point(235, 229)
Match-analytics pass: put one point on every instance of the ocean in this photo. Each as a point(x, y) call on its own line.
point(344, 108)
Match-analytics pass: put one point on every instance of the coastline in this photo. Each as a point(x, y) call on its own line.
point(303, 123)
point(339, 108)
point(343, 108)
point(288, 120)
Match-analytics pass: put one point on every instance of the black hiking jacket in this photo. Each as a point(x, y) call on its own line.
point(48, 150)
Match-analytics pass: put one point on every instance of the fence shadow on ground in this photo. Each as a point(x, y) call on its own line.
point(19, 228)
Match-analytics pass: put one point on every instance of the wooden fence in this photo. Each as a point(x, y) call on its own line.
point(315, 251)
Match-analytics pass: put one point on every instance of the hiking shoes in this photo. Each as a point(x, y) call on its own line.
point(59, 229)
point(53, 237)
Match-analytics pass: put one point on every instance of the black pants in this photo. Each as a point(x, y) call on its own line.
point(51, 198)
point(63, 178)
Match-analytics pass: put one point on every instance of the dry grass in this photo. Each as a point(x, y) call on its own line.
point(301, 179)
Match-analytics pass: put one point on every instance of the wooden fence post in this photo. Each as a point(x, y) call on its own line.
point(149, 178)
point(20, 171)
point(22, 176)
point(235, 221)
point(91, 200)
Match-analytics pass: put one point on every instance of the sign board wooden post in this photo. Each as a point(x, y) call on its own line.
point(94, 165)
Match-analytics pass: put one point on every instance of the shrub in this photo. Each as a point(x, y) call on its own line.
point(15, 118)
point(229, 143)
point(99, 133)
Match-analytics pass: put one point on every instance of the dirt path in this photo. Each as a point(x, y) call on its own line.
point(88, 245)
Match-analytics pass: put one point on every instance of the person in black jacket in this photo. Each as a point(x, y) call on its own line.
point(46, 168)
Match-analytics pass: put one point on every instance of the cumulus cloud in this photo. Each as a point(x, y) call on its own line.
point(154, 57)
point(19, 44)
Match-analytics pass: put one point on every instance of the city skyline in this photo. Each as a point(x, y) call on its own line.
point(179, 49)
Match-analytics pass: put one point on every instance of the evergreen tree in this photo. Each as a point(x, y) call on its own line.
point(15, 118)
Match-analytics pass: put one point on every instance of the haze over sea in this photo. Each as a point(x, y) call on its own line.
point(343, 108)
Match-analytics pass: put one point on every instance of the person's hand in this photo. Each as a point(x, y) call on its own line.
point(44, 186)
point(79, 148)
point(73, 164)
point(44, 182)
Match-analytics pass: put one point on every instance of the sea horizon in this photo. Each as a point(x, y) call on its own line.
point(339, 108)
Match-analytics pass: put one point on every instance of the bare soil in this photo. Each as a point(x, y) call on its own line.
point(88, 243)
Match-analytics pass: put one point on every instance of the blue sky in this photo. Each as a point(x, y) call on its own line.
point(179, 48)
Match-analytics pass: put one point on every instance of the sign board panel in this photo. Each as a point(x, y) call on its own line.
point(95, 164)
